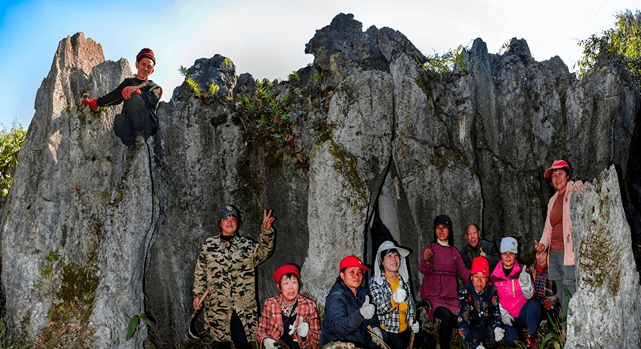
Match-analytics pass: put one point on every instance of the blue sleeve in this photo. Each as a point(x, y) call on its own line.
point(338, 320)
point(466, 304)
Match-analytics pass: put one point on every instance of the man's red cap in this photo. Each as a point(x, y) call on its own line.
point(556, 165)
point(146, 52)
point(284, 270)
point(351, 261)
point(480, 265)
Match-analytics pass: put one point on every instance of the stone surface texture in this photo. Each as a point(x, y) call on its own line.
point(365, 131)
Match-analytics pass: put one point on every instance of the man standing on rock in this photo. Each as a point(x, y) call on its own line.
point(141, 97)
point(224, 280)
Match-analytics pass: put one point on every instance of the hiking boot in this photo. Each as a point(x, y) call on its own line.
point(531, 341)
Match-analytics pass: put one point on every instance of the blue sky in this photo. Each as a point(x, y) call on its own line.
point(267, 37)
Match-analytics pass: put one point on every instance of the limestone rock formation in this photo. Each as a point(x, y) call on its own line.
point(365, 132)
point(604, 312)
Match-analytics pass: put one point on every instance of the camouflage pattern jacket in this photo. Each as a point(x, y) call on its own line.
point(228, 270)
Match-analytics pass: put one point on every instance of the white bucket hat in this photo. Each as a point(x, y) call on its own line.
point(402, 270)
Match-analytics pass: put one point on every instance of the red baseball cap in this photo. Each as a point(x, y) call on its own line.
point(480, 265)
point(284, 270)
point(351, 261)
point(556, 165)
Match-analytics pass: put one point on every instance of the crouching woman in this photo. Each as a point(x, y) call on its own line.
point(289, 317)
point(479, 320)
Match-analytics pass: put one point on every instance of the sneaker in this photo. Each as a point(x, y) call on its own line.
point(531, 342)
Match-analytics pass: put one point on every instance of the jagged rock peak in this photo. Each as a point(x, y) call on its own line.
point(343, 46)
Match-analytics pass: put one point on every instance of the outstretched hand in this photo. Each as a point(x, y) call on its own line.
point(90, 102)
point(267, 220)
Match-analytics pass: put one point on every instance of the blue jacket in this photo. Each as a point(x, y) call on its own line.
point(478, 314)
point(343, 320)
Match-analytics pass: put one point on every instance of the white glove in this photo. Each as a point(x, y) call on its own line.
point(400, 295)
point(379, 340)
point(526, 284)
point(415, 326)
point(506, 317)
point(378, 332)
point(269, 343)
point(480, 347)
point(303, 328)
point(291, 329)
point(499, 333)
point(367, 310)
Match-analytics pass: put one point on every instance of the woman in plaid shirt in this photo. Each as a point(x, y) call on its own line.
point(289, 316)
point(392, 296)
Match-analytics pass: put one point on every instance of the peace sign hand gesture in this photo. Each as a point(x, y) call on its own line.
point(267, 220)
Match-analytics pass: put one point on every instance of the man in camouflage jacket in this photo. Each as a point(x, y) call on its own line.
point(226, 268)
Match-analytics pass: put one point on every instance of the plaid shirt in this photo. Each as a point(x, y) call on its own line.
point(544, 288)
point(271, 322)
point(386, 312)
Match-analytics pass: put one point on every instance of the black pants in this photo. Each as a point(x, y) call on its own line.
point(237, 335)
point(134, 118)
point(448, 322)
point(422, 340)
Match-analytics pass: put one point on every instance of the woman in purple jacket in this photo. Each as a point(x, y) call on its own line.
point(441, 263)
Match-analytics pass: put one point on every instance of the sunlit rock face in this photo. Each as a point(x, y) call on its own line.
point(604, 311)
point(363, 145)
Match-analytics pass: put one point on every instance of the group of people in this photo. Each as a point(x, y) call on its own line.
point(503, 300)
point(500, 298)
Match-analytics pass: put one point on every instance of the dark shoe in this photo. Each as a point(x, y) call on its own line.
point(130, 152)
point(531, 342)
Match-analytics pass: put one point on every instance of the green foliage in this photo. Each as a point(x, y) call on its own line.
point(213, 89)
point(10, 144)
point(286, 98)
point(51, 258)
point(504, 48)
point(193, 84)
point(621, 43)
point(447, 61)
point(318, 77)
point(264, 93)
point(246, 101)
point(227, 61)
point(133, 324)
point(294, 76)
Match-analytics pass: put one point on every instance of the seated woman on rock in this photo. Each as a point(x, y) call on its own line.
point(519, 311)
point(289, 317)
point(392, 296)
point(349, 316)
